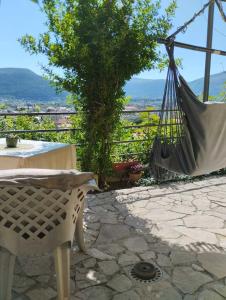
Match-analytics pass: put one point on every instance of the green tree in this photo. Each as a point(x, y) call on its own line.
point(99, 45)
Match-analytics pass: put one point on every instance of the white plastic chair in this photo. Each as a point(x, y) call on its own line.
point(35, 220)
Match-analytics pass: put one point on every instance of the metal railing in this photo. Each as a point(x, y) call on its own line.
point(35, 114)
point(58, 130)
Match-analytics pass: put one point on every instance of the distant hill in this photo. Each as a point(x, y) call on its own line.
point(216, 84)
point(139, 88)
point(23, 84)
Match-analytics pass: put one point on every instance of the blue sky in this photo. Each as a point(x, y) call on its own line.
point(18, 17)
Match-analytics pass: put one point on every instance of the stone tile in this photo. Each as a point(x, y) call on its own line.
point(19, 297)
point(182, 257)
point(197, 268)
point(163, 261)
point(41, 294)
point(172, 223)
point(21, 283)
point(43, 278)
point(163, 290)
point(77, 257)
point(94, 226)
point(108, 218)
point(165, 232)
point(108, 267)
point(148, 255)
point(135, 222)
point(91, 278)
point(111, 249)
point(91, 233)
point(120, 283)
point(190, 297)
point(157, 215)
point(95, 253)
point(183, 209)
point(214, 263)
point(201, 204)
point(161, 247)
point(198, 235)
point(94, 293)
point(220, 289)
point(127, 259)
point(203, 221)
point(188, 280)
point(209, 295)
point(37, 265)
point(89, 263)
point(136, 244)
point(110, 233)
point(130, 295)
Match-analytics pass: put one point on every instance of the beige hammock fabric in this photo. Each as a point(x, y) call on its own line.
point(202, 148)
point(191, 135)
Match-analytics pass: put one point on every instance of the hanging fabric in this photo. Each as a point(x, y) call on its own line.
point(191, 136)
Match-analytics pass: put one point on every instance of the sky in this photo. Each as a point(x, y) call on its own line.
point(18, 17)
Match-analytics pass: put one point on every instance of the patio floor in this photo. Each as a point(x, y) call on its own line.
point(180, 227)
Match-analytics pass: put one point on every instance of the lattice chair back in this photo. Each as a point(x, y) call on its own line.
point(35, 220)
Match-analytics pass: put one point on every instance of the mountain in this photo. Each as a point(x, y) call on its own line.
point(23, 84)
point(139, 88)
point(216, 84)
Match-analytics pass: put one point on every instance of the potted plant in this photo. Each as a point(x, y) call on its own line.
point(122, 167)
point(135, 172)
point(12, 140)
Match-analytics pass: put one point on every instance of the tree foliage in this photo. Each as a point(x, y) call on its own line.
point(98, 45)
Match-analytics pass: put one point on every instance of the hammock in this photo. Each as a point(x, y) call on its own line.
point(191, 136)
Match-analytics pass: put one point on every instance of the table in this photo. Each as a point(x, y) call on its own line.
point(37, 154)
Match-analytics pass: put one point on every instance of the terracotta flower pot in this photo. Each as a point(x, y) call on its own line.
point(134, 177)
point(122, 167)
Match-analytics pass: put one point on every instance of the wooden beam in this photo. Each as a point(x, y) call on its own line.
point(192, 47)
point(206, 86)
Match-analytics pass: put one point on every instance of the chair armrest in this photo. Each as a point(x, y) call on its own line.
point(91, 185)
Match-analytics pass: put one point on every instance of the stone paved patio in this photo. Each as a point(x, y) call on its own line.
point(181, 227)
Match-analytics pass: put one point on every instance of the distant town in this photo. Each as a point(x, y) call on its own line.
point(61, 120)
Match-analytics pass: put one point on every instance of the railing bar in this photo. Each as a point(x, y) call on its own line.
point(39, 130)
point(38, 114)
point(75, 113)
point(132, 141)
point(127, 154)
point(146, 110)
point(79, 129)
point(150, 125)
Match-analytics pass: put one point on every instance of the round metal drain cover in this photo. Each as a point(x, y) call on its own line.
point(146, 272)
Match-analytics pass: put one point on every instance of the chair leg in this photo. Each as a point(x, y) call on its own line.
point(79, 231)
point(62, 266)
point(7, 262)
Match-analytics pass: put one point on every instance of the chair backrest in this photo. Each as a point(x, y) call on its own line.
point(34, 220)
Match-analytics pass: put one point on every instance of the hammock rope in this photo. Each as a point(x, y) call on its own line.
point(221, 10)
point(184, 27)
point(171, 117)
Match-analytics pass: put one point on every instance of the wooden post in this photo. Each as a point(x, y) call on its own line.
point(208, 55)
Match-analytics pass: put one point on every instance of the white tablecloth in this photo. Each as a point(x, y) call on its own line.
point(37, 154)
